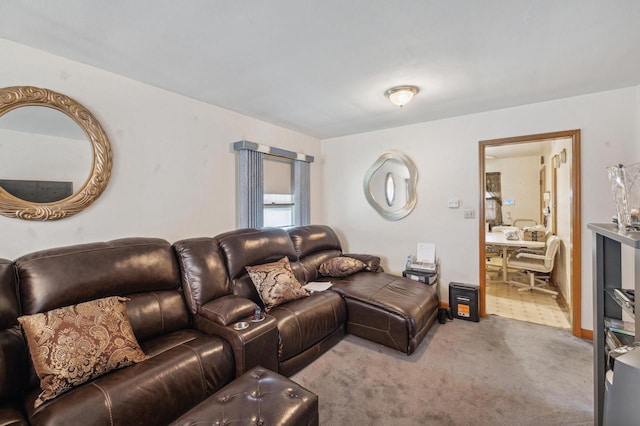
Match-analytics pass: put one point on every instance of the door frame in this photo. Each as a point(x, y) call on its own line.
point(542, 184)
point(576, 226)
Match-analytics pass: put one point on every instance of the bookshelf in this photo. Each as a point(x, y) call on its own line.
point(613, 270)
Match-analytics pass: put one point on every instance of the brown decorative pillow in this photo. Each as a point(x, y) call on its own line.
point(75, 344)
point(341, 266)
point(276, 283)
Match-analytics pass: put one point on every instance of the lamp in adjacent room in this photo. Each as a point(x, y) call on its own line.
point(401, 95)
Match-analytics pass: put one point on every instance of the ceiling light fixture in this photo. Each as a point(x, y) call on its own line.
point(401, 95)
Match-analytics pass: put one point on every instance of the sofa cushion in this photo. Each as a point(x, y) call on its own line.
point(155, 313)
point(311, 239)
point(276, 283)
point(74, 344)
point(304, 322)
point(403, 296)
point(387, 309)
point(314, 244)
point(188, 367)
point(341, 266)
point(64, 276)
point(254, 246)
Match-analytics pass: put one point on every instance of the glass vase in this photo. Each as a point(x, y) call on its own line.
point(625, 184)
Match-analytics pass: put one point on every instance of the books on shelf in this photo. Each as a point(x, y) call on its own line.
point(625, 298)
point(619, 338)
point(620, 326)
point(615, 340)
point(612, 340)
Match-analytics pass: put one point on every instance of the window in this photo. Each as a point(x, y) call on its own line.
point(278, 192)
point(278, 210)
point(493, 200)
point(273, 186)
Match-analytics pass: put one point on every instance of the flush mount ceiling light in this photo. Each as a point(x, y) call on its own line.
point(401, 95)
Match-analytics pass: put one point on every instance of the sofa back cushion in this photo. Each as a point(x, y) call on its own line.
point(314, 244)
point(204, 274)
point(144, 269)
point(13, 350)
point(156, 313)
point(251, 247)
point(312, 239)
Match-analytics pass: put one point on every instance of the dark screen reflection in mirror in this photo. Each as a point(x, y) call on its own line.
point(44, 154)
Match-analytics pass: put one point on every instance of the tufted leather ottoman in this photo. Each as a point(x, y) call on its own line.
point(258, 397)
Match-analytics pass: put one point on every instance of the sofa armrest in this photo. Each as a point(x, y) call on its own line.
point(11, 413)
point(372, 262)
point(252, 346)
point(227, 309)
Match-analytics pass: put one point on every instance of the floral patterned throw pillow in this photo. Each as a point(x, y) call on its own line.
point(276, 283)
point(341, 266)
point(74, 344)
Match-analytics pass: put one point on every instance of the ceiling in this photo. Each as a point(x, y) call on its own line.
point(321, 67)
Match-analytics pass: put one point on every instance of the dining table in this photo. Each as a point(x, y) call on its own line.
point(500, 241)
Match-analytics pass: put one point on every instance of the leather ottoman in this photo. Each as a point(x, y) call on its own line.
point(258, 397)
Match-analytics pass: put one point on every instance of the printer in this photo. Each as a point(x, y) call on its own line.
point(425, 267)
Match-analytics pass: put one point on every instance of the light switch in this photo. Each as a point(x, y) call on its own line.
point(469, 213)
point(453, 204)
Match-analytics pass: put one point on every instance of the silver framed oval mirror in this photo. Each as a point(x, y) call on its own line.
point(55, 157)
point(390, 185)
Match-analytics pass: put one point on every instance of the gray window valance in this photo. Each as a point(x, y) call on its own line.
point(251, 183)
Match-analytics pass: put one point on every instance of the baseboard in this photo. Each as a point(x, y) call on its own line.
point(586, 334)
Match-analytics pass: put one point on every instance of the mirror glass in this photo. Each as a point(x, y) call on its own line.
point(390, 185)
point(55, 158)
point(390, 189)
point(46, 156)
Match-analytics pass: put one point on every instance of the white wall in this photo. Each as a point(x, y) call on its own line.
point(563, 208)
point(173, 173)
point(446, 153)
point(173, 165)
point(519, 178)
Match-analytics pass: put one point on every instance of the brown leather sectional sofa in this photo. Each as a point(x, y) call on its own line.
point(184, 300)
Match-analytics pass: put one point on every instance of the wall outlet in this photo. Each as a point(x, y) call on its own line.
point(469, 213)
point(453, 204)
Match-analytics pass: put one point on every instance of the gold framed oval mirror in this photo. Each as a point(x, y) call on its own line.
point(70, 165)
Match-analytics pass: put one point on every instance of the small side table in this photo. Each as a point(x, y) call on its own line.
point(429, 278)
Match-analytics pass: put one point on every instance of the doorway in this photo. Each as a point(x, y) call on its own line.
point(568, 185)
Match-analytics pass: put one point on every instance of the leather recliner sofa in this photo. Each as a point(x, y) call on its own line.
point(184, 302)
point(185, 365)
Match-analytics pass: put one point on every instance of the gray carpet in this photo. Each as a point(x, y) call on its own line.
point(496, 372)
